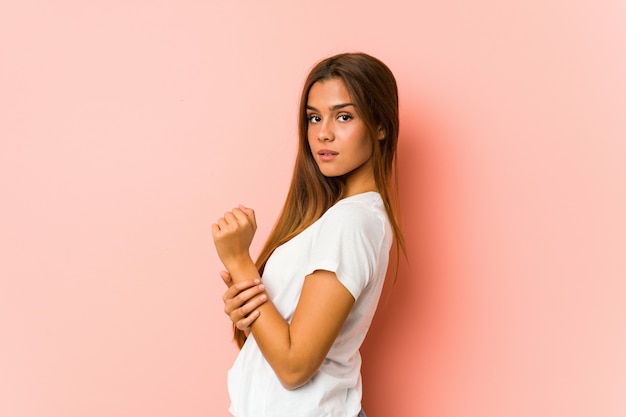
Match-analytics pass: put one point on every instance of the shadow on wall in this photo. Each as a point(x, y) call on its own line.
point(405, 348)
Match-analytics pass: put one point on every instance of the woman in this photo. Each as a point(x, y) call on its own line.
point(300, 327)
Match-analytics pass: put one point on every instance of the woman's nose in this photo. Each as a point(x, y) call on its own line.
point(325, 134)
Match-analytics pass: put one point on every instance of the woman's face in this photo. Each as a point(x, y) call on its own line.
point(339, 140)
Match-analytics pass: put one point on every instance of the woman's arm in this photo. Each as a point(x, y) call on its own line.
point(294, 350)
point(241, 301)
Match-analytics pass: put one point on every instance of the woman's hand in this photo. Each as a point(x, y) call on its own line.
point(241, 300)
point(232, 235)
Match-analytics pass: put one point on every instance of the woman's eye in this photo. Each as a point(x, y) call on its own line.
point(344, 117)
point(314, 119)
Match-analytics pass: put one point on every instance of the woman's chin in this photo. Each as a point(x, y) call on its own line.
point(331, 173)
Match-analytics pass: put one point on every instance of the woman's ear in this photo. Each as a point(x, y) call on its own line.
point(381, 133)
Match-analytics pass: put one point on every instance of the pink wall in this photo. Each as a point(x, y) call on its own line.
point(127, 127)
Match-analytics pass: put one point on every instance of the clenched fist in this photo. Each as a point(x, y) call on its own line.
point(232, 235)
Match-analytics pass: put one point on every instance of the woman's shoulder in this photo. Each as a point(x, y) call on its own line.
point(368, 201)
point(365, 209)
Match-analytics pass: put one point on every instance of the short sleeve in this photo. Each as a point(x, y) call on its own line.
point(348, 243)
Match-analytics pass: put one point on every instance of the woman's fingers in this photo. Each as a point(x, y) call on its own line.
point(237, 289)
point(247, 314)
point(243, 297)
point(226, 278)
point(241, 301)
point(244, 324)
point(229, 218)
point(244, 302)
point(249, 307)
point(249, 214)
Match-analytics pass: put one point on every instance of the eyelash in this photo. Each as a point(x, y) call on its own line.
point(346, 117)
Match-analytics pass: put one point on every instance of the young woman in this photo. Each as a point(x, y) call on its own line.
point(300, 327)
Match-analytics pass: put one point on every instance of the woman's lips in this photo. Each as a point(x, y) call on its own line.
point(327, 155)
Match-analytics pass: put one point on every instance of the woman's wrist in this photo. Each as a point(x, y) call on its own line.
point(242, 269)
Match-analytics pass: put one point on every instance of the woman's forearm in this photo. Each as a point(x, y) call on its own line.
point(272, 333)
point(295, 350)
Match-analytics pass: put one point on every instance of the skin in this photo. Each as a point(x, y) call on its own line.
point(296, 350)
point(335, 124)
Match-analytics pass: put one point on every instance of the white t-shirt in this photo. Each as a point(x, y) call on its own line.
point(352, 239)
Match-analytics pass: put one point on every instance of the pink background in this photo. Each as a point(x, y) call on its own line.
point(127, 127)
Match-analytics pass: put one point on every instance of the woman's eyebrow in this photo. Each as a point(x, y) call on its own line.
point(335, 107)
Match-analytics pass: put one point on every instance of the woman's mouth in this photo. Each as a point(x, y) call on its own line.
point(327, 155)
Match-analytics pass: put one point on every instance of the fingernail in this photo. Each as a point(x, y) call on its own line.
point(262, 287)
point(263, 297)
point(257, 281)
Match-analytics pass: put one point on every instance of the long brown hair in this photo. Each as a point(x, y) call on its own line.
point(373, 90)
